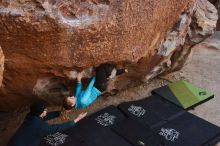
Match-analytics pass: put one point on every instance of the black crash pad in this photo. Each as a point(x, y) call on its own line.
point(94, 130)
point(151, 111)
point(138, 134)
point(189, 130)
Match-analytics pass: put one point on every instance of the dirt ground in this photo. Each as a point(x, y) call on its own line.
point(203, 70)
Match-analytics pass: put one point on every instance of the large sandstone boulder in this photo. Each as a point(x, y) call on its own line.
point(44, 41)
point(2, 63)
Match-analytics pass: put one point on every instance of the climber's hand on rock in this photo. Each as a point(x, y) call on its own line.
point(72, 75)
point(79, 76)
point(80, 117)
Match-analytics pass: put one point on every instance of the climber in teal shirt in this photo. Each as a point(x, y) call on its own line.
point(86, 97)
point(82, 98)
point(97, 86)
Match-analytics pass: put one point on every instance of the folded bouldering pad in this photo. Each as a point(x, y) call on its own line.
point(151, 111)
point(189, 130)
point(138, 134)
point(101, 119)
point(184, 94)
point(94, 130)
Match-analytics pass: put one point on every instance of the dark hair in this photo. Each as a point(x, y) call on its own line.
point(38, 107)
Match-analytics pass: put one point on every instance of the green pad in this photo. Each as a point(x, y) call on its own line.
point(184, 94)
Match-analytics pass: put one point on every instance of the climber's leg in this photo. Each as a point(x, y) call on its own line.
point(101, 79)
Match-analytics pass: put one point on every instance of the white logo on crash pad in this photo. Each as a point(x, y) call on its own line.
point(56, 139)
point(169, 134)
point(105, 119)
point(137, 110)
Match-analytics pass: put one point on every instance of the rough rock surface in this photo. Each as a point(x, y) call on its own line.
point(200, 26)
point(217, 5)
point(45, 41)
point(213, 43)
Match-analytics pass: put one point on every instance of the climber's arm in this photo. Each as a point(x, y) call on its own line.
point(79, 84)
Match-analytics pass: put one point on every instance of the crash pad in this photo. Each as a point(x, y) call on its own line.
point(151, 121)
point(138, 134)
point(189, 130)
point(184, 94)
point(151, 111)
point(94, 130)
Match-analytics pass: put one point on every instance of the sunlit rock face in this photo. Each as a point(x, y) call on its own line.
point(45, 42)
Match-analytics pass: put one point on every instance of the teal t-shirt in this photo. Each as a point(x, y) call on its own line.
point(86, 97)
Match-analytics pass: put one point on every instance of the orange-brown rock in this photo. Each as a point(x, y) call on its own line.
point(2, 62)
point(43, 40)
